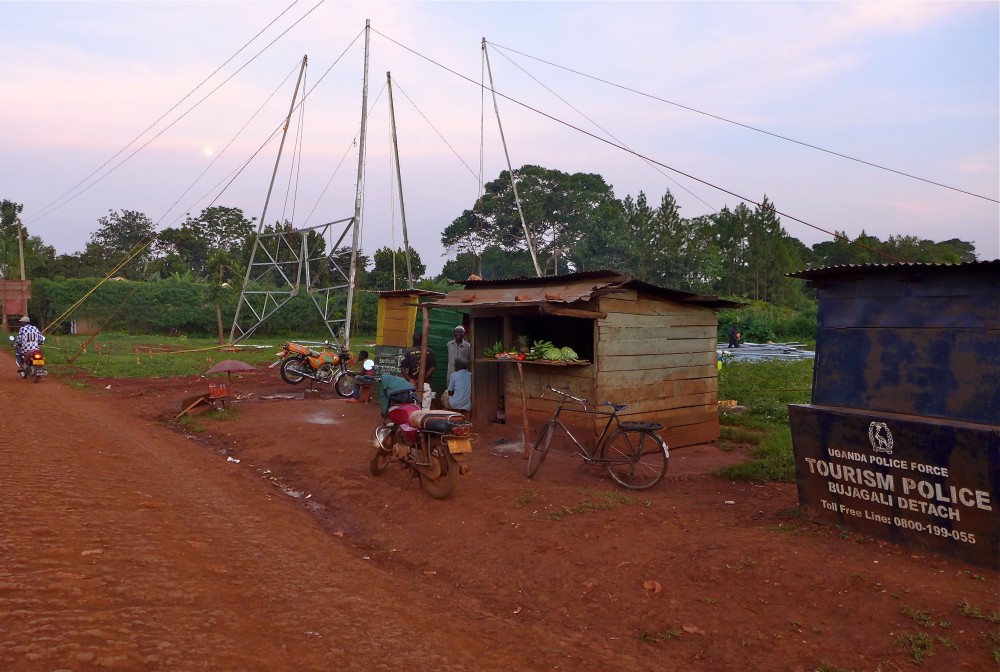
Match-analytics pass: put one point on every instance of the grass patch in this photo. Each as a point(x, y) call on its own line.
point(115, 355)
point(765, 389)
point(830, 667)
point(919, 645)
point(193, 424)
point(740, 435)
point(655, 637)
point(772, 460)
point(921, 617)
point(526, 498)
point(994, 643)
point(605, 501)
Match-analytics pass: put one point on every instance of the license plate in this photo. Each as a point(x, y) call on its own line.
point(458, 445)
point(38, 362)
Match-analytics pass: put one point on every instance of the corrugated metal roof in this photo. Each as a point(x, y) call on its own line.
point(563, 290)
point(394, 293)
point(866, 269)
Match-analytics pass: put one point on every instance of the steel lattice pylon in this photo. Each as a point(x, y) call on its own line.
point(284, 262)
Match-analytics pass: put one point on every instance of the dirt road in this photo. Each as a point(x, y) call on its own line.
point(130, 543)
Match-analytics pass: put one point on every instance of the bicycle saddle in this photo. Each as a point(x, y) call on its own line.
point(617, 407)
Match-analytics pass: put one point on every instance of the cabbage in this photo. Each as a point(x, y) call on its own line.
point(553, 354)
point(568, 354)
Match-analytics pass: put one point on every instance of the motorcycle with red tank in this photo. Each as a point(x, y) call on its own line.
point(299, 361)
point(431, 444)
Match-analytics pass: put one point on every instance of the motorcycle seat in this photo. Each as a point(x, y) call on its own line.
point(439, 422)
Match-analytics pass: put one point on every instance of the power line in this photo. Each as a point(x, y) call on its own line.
point(752, 128)
point(55, 205)
point(833, 234)
point(606, 131)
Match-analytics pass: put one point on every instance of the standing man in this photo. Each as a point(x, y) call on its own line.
point(410, 366)
point(458, 348)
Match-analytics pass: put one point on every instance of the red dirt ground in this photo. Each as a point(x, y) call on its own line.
point(262, 542)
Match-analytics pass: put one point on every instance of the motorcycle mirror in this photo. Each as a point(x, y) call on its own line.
point(369, 364)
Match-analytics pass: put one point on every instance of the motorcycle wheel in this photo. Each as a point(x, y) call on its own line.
point(289, 376)
point(344, 384)
point(34, 375)
point(383, 440)
point(23, 373)
point(443, 485)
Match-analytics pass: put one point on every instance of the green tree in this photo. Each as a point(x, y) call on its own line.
point(37, 255)
point(558, 209)
point(389, 271)
point(493, 263)
point(213, 244)
point(122, 244)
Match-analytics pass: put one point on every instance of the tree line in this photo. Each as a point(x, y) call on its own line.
point(575, 223)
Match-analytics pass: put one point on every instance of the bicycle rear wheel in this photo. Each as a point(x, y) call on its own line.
point(636, 460)
point(540, 449)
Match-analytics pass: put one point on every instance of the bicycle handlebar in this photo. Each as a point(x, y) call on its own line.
point(584, 402)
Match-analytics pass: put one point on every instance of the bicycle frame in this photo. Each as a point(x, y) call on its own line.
point(634, 455)
point(591, 455)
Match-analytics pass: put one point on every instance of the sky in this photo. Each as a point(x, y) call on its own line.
point(168, 108)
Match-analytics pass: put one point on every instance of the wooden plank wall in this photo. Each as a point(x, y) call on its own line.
point(655, 355)
point(396, 321)
point(577, 380)
point(658, 356)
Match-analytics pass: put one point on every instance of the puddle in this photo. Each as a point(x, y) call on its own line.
point(319, 419)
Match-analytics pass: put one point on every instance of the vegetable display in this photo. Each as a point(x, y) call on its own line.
point(539, 350)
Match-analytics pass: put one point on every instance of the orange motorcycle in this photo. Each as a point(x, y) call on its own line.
point(298, 362)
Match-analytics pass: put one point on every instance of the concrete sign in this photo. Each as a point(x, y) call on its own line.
point(925, 483)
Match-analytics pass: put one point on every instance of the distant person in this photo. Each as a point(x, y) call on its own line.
point(410, 366)
point(29, 337)
point(458, 396)
point(734, 337)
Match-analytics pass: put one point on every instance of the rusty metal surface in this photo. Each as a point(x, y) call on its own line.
point(925, 344)
point(565, 290)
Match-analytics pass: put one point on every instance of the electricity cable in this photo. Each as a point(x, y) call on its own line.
point(833, 234)
point(751, 128)
point(43, 212)
point(178, 119)
point(429, 123)
point(606, 131)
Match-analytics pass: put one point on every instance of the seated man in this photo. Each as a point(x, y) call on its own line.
point(459, 397)
point(363, 380)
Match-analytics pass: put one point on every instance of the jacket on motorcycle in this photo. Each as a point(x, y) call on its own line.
point(395, 390)
point(29, 337)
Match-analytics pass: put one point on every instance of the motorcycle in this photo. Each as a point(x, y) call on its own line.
point(31, 364)
point(298, 362)
point(431, 444)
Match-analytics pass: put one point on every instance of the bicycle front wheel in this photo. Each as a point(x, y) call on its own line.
point(540, 449)
point(636, 460)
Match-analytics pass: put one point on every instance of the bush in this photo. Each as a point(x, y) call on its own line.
point(181, 306)
point(760, 322)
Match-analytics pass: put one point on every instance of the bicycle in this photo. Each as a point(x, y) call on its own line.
point(634, 454)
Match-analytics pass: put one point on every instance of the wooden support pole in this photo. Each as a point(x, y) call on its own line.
point(524, 409)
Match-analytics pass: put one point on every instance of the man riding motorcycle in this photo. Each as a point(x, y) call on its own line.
point(29, 337)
